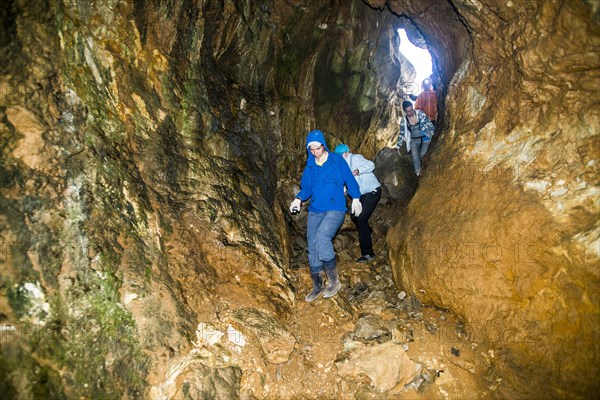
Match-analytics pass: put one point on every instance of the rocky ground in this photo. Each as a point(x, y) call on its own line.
point(371, 341)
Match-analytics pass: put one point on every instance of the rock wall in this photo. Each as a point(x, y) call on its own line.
point(504, 226)
point(142, 143)
point(339, 70)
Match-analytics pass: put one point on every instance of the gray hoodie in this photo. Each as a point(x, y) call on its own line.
point(367, 181)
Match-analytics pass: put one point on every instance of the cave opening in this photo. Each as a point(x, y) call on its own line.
point(420, 58)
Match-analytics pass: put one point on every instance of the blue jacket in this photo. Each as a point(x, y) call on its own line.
point(324, 185)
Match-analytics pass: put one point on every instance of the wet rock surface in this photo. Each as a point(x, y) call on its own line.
point(395, 172)
point(149, 151)
point(386, 365)
point(369, 329)
point(371, 341)
point(275, 341)
point(500, 229)
point(368, 346)
point(203, 382)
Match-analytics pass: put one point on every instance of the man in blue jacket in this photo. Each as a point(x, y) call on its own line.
point(323, 181)
point(370, 194)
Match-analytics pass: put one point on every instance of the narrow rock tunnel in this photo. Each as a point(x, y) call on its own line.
point(150, 150)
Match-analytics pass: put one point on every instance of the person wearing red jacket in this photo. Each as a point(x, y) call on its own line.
point(427, 101)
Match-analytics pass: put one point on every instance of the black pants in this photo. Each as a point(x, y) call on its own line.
point(369, 202)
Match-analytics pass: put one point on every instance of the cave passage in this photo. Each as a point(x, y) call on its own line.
point(150, 151)
point(420, 60)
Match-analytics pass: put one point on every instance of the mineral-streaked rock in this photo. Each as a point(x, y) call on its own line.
point(370, 329)
point(387, 365)
point(276, 342)
point(496, 229)
point(144, 147)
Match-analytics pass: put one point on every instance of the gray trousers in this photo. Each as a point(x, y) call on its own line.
point(418, 148)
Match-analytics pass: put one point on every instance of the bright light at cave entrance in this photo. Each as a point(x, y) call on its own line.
point(419, 58)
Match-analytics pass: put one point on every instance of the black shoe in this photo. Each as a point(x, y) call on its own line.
point(366, 258)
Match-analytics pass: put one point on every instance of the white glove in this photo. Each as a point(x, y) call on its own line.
point(356, 207)
point(295, 206)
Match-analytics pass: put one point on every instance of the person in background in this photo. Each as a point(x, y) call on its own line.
point(416, 130)
point(370, 194)
point(427, 101)
point(323, 181)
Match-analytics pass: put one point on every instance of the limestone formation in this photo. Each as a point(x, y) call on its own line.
point(149, 150)
point(276, 342)
point(504, 226)
point(387, 365)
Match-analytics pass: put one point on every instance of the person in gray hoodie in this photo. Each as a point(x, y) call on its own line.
point(370, 194)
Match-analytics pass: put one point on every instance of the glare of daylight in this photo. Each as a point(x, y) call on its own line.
point(419, 58)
